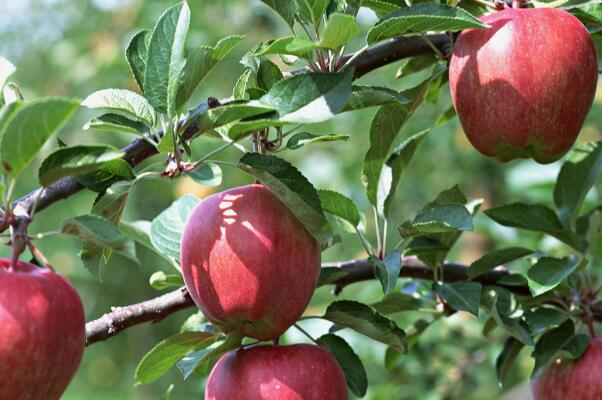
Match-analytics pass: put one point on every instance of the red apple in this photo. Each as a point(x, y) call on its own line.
point(297, 372)
point(248, 263)
point(572, 380)
point(523, 87)
point(42, 332)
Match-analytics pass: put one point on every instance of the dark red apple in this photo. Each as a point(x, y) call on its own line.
point(523, 87)
point(42, 332)
point(248, 263)
point(297, 372)
point(572, 380)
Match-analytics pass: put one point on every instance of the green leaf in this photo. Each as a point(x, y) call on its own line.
point(461, 295)
point(6, 70)
point(352, 366)
point(310, 97)
point(446, 116)
point(423, 17)
point(293, 189)
point(161, 281)
point(574, 182)
point(311, 11)
point(103, 177)
point(329, 275)
point(495, 259)
point(208, 174)
point(285, 8)
point(123, 101)
point(397, 302)
point(416, 64)
point(589, 13)
point(30, 125)
point(268, 74)
point(387, 270)
point(543, 319)
point(139, 231)
point(561, 342)
point(339, 205)
point(166, 354)
point(165, 59)
point(363, 96)
point(497, 301)
point(117, 123)
point(69, 161)
point(297, 46)
point(300, 139)
point(200, 62)
point(239, 92)
point(219, 116)
point(439, 219)
point(383, 131)
point(136, 54)
point(167, 227)
point(367, 321)
point(393, 170)
point(548, 272)
point(536, 217)
point(202, 361)
point(339, 29)
point(504, 361)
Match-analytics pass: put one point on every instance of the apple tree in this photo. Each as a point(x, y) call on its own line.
point(245, 260)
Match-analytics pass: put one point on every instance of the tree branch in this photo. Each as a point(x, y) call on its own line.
point(154, 310)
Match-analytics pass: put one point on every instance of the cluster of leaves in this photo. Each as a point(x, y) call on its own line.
point(267, 100)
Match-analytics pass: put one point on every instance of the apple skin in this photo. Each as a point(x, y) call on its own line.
point(248, 263)
point(297, 372)
point(523, 87)
point(572, 380)
point(42, 332)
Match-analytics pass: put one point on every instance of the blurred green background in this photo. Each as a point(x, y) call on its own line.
point(74, 47)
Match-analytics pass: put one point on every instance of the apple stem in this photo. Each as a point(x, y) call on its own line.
point(303, 331)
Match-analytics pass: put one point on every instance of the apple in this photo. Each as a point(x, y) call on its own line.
point(297, 372)
point(572, 380)
point(42, 332)
point(522, 88)
point(248, 263)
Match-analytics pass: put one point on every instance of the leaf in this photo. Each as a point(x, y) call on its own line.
point(310, 97)
point(560, 342)
point(285, 8)
point(167, 227)
point(165, 60)
point(387, 270)
point(139, 231)
point(367, 321)
point(329, 275)
point(352, 366)
point(393, 170)
point(338, 30)
point(439, 219)
point(97, 230)
point(202, 361)
point(383, 131)
point(423, 17)
point(200, 62)
point(495, 259)
point(416, 64)
point(543, 319)
point(107, 174)
point(117, 123)
point(297, 46)
point(497, 301)
point(219, 116)
point(300, 139)
point(6, 70)
point(535, 217)
point(504, 361)
point(239, 92)
point(589, 13)
point(268, 74)
point(461, 295)
point(208, 174)
point(363, 96)
point(293, 189)
point(383, 7)
point(397, 302)
point(28, 126)
point(136, 54)
point(446, 116)
point(161, 281)
point(69, 161)
point(123, 101)
point(574, 182)
point(167, 353)
point(339, 205)
point(311, 11)
point(548, 272)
